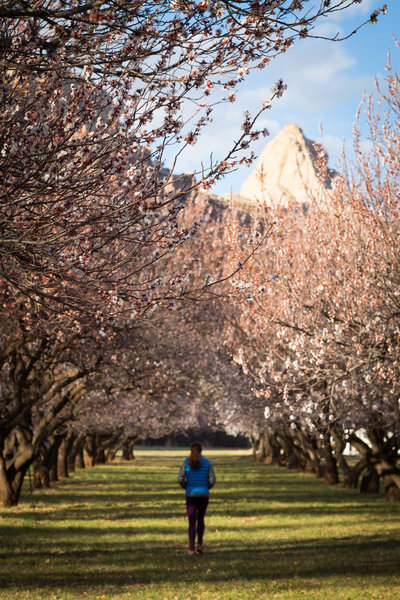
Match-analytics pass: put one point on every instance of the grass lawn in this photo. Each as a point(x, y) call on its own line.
point(119, 531)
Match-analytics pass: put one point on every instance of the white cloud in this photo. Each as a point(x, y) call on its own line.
point(358, 10)
point(319, 74)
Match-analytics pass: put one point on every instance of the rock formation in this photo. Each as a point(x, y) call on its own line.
point(286, 170)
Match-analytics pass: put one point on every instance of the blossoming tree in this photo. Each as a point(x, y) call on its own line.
point(324, 345)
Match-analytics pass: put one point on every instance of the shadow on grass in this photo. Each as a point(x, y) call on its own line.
point(117, 526)
point(111, 501)
point(121, 564)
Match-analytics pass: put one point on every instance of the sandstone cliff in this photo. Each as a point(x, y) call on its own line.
point(286, 170)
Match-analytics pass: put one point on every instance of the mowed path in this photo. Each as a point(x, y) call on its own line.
point(119, 531)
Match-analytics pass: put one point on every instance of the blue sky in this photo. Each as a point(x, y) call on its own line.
point(326, 82)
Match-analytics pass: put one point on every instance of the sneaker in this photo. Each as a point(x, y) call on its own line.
point(191, 552)
point(200, 548)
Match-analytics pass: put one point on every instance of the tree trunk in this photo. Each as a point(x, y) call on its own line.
point(100, 456)
point(310, 466)
point(112, 453)
point(382, 458)
point(260, 451)
point(285, 449)
point(41, 477)
point(51, 457)
point(272, 450)
point(114, 448)
point(392, 491)
point(305, 450)
point(254, 442)
point(351, 475)
point(331, 473)
point(11, 481)
point(63, 450)
point(73, 453)
point(295, 458)
point(6, 492)
point(327, 460)
point(89, 451)
point(370, 481)
point(127, 449)
point(16, 456)
point(79, 461)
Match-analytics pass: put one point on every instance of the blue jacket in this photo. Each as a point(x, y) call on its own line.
point(197, 482)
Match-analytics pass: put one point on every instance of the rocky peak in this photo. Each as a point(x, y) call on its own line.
point(286, 170)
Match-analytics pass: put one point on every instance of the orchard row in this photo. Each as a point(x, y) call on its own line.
point(124, 293)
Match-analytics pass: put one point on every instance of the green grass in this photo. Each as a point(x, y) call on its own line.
point(119, 531)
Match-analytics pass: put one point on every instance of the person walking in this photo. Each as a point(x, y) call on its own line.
point(197, 477)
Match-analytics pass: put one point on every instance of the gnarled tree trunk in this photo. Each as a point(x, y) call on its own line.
point(127, 449)
point(16, 456)
point(11, 481)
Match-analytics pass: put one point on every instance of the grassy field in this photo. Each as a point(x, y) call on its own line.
point(119, 531)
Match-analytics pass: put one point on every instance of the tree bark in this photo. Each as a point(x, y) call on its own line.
point(112, 453)
point(306, 451)
point(11, 480)
point(62, 456)
point(327, 460)
point(351, 475)
point(259, 448)
point(127, 449)
point(73, 453)
point(89, 451)
point(41, 477)
point(370, 481)
point(392, 491)
point(50, 460)
point(79, 460)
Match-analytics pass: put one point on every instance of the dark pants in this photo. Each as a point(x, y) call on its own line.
point(196, 507)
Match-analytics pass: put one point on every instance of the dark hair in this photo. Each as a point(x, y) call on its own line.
point(195, 455)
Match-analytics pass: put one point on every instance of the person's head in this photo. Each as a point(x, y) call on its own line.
point(195, 455)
